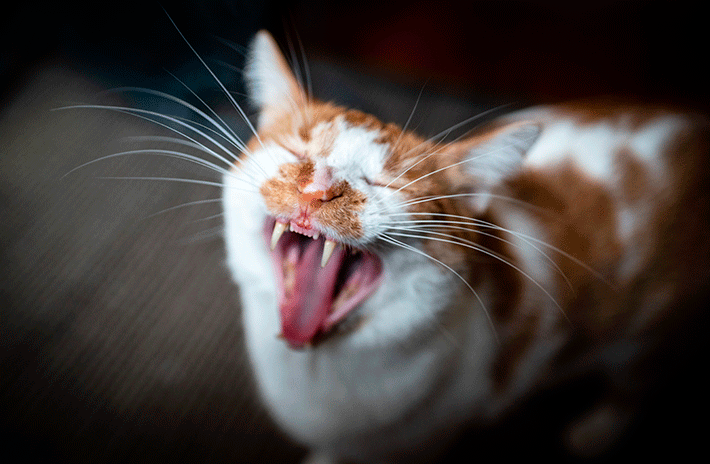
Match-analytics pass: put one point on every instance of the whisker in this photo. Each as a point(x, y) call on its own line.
point(231, 67)
point(174, 179)
point(467, 160)
point(513, 200)
point(405, 246)
point(205, 235)
point(229, 96)
point(442, 135)
point(144, 114)
point(293, 59)
point(185, 205)
point(222, 129)
point(236, 47)
point(306, 68)
point(425, 226)
point(220, 124)
point(409, 119)
point(486, 251)
point(167, 153)
point(521, 236)
point(208, 218)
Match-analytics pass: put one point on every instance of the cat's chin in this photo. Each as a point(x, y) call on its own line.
point(319, 281)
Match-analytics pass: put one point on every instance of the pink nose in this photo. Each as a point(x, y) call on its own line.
point(307, 197)
point(319, 187)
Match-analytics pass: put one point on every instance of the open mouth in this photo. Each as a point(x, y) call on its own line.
point(319, 280)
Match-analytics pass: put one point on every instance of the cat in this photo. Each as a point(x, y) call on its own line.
point(395, 288)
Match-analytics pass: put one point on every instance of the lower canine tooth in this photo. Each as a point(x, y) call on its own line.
point(328, 248)
point(279, 229)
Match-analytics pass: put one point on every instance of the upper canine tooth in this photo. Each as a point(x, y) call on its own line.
point(279, 229)
point(328, 248)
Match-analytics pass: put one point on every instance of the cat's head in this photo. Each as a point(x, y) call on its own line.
point(358, 216)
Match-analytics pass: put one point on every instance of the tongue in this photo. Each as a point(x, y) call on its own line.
point(305, 305)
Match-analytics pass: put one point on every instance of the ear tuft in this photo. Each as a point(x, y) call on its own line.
point(488, 163)
point(271, 85)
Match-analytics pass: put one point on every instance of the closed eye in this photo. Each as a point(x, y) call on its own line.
point(297, 154)
point(379, 182)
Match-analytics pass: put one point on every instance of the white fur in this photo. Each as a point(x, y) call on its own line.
point(341, 395)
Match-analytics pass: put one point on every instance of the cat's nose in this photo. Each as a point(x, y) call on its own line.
point(319, 187)
point(316, 192)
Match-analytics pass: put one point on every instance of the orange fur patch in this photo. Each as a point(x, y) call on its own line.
point(284, 200)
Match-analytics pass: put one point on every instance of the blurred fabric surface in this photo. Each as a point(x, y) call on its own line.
point(120, 336)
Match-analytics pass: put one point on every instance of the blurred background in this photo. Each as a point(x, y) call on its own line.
point(120, 336)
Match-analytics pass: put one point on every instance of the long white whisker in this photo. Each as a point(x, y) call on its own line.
point(513, 200)
point(231, 67)
point(220, 124)
point(223, 129)
point(216, 79)
point(442, 135)
point(144, 114)
point(409, 119)
point(401, 244)
point(208, 218)
point(185, 205)
point(484, 250)
point(426, 226)
point(236, 47)
point(174, 179)
point(167, 153)
point(466, 160)
point(295, 65)
point(520, 235)
point(201, 236)
point(306, 68)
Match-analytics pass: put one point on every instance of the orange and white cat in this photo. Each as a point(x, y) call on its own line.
point(395, 288)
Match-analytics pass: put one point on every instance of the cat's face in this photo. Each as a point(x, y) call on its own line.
point(341, 203)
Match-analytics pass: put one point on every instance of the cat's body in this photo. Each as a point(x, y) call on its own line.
point(543, 247)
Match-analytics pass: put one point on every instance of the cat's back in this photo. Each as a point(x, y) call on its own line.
point(622, 190)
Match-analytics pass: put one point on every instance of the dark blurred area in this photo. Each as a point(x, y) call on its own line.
point(118, 344)
point(524, 50)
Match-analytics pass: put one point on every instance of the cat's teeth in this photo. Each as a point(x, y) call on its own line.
point(316, 235)
point(328, 248)
point(279, 229)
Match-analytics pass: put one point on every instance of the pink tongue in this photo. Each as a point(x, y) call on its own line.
point(304, 309)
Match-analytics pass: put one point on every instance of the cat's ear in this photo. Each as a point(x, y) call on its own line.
point(485, 162)
point(272, 87)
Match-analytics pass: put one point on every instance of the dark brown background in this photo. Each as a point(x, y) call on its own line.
point(120, 335)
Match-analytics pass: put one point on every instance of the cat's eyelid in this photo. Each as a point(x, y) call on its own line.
point(297, 154)
point(375, 182)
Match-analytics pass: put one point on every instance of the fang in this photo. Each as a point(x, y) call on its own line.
point(279, 229)
point(328, 248)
